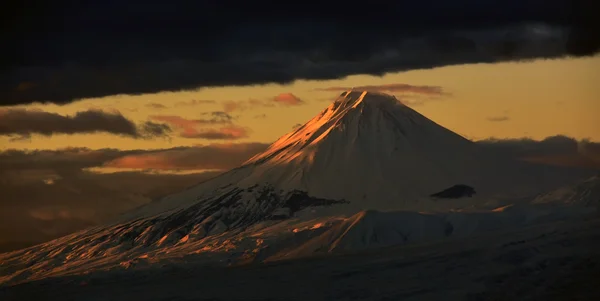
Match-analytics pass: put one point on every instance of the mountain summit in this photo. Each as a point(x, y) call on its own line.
point(366, 147)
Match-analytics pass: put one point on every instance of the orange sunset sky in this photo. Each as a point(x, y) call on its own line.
point(507, 100)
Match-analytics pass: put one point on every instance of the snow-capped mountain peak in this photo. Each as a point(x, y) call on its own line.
point(366, 150)
point(366, 146)
point(341, 115)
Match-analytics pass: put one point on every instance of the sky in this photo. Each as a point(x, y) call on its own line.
point(507, 100)
point(121, 103)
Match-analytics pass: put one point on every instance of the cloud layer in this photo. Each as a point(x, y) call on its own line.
point(23, 123)
point(282, 99)
point(138, 47)
point(45, 194)
point(288, 99)
point(200, 128)
point(214, 156)
point(394, 88)
point(555, 150)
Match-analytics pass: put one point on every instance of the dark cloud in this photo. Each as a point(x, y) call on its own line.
point(45, 194)
point(24, 123)
point(260, 116)
point(132, 47)
point(296, 126)
point(394, 89)
point(63, 159)
point(153, 129)
point(555, 150)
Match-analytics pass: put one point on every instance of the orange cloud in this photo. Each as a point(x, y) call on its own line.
point(231, 132)
point(230, 106)
point(242, 105)
point(193, 102)
point(213, 156)
point(155, 105)
point(216, 117)
point(180, 122)
point(195, 128)
point(288, 99)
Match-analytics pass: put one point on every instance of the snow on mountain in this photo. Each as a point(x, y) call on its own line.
point(355, 176)
point(369, 151)
point(585, 193)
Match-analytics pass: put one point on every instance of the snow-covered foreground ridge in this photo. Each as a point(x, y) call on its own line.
point(356, 176)
point(121, 247)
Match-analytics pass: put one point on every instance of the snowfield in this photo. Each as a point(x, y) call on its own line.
point(552, 262)
point(350, 189)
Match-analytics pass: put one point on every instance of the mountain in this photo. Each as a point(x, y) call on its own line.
point(331, 184)
point(367, 151)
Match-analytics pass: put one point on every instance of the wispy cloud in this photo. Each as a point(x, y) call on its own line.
point(243, 105)
point(194, 102)
point(288, 99)
point(410, 95)
point(212, 156)
point(23, 123)
point(282, 99)
point(210, 118)
point(231, 132)
point(156, 106)
point(202, 128)
point(393, 89)
point(498, 118)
